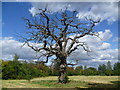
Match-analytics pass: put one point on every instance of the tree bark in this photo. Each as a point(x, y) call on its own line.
point(62, 72)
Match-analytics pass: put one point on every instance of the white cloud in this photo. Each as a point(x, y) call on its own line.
point(104, 46)
point(101, 50)
point(95, 42)
point(106, 35)
point(106, 11)
point(33, 10)
point(105, 56)
point(10, 47)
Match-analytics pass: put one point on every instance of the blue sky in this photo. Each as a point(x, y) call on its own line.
point(13, 12)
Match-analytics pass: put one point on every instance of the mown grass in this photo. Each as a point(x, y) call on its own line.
point(75, 82)
point(55, 84)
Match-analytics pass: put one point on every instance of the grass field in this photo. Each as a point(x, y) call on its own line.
point(75, 82)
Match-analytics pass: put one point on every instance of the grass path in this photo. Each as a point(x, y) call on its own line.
point(75, 82)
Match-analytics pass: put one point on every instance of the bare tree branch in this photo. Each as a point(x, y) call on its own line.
point(59, 33)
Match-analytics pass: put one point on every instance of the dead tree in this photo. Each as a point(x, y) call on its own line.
point(59, 34)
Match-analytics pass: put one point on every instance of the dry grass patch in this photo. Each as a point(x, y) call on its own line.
point(95, 79)
point(75, 82)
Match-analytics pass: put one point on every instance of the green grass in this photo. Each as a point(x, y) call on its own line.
point(55, 84)
point(75, 82)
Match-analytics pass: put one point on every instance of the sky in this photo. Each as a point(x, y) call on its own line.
point(103, 50)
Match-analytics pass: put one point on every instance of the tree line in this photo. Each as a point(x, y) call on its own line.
point(23, 70)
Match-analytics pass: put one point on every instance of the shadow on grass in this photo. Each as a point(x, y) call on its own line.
point(114, 85)
point(76, 85)
point(53, 84)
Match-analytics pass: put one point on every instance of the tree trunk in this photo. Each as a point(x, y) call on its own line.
point(62, 72)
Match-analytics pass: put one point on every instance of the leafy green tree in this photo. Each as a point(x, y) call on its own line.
point(89, 71)
point(1, 69)
point(17, 70)
point(85, 72)
point(30, 72)
point(16, 57)
point(116, 68)
point(85, 67)
point(78, 70)
point(102, 69)
point(109, 69)
point(71, 71)
point(10, 71)
point(92, 71)
point(43, 69)
point(55, 67)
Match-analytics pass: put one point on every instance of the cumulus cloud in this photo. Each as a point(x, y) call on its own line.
point(98, 43)
point(106, 35)
point(101, 51)
point(104, 46)
point(10, 47)
point(106, 11)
